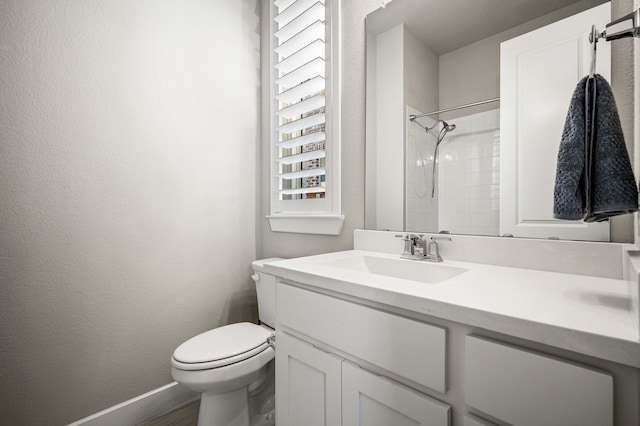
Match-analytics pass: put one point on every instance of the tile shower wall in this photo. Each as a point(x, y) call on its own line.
point(421, 211)
point(468, 190)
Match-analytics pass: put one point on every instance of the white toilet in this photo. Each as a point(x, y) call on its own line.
point(226, 362)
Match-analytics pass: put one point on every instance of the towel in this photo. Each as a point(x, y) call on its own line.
point(594, 178)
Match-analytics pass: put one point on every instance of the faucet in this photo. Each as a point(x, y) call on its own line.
point(432, 254)
point(414, 246)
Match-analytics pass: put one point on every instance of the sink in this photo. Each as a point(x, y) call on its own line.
point(414, 270)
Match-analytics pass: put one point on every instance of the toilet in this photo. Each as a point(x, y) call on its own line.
point(225, 364)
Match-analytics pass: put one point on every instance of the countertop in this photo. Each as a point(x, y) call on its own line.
point(588, 315)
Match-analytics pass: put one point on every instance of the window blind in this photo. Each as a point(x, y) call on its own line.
point(299, 85)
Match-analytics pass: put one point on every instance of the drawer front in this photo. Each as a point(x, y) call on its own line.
point(525, 388)
point(411, 349)
point(370, 400)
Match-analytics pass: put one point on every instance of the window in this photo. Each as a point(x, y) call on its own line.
point(305, 116)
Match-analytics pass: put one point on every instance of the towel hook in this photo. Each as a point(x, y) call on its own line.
point(593, 39)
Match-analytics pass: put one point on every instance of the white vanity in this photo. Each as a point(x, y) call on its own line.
point(367, 338)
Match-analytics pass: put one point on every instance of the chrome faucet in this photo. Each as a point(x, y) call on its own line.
point(432, 254)
point(417, 248)
point(414, 246)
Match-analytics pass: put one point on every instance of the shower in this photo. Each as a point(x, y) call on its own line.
point(446, 128)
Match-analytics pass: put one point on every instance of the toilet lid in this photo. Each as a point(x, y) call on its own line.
point(228, 342)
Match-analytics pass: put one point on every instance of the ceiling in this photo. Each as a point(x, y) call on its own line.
point(433, 21)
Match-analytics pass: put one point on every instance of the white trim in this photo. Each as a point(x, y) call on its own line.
point(142, 407)
point(333, 102)
point(294, 215)
point(307, 224)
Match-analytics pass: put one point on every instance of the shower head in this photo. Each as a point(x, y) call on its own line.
point(447, 126)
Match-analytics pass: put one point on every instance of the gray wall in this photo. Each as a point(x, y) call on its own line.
point(623, 58)
point(635, 94)
point(421, 74)
point(389, 120)
point(127, 210)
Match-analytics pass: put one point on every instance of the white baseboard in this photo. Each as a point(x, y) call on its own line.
point(141, 408)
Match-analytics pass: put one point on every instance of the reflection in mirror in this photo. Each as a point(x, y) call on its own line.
point(465, 111)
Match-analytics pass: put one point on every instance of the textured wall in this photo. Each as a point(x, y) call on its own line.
point(636, 112)
point(127, 208)
point(622, 82)
point(421, 74)
point(353, 152)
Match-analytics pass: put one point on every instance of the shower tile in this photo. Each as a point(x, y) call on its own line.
point(475, 178)
point(468, 176)
point(476, 165)
point(491, 220)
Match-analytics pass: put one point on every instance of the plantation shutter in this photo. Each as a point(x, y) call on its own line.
point(299, 85)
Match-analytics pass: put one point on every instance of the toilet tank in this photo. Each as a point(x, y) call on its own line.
point(266, 291)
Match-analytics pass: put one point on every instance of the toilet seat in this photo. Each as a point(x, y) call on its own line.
point(221, 347)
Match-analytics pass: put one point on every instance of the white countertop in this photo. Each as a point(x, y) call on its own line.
point(588, 315)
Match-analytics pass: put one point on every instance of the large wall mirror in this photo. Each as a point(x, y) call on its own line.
point(466, 103)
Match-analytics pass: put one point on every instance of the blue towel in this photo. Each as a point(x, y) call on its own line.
point(594, 178)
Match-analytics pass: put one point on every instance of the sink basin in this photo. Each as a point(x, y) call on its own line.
point(414, 270)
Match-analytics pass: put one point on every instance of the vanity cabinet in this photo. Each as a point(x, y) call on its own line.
point(318, 387)
point(315, 387)
point(342, 361)
point(411, 349)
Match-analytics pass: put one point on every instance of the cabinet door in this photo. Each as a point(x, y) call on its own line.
point(307, 384)
point(370, 400)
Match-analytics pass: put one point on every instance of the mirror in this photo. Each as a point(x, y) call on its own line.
point(468, 71)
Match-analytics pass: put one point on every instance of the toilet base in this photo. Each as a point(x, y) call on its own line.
point(226, 409)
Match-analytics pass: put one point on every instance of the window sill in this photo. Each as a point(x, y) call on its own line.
point(307, 224)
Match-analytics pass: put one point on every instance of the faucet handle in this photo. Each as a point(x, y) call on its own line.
point(419, 243)
point(410, 237)
point(414, 245)
point(433, 254)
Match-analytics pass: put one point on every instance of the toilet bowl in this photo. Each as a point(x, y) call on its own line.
point(224, 363)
